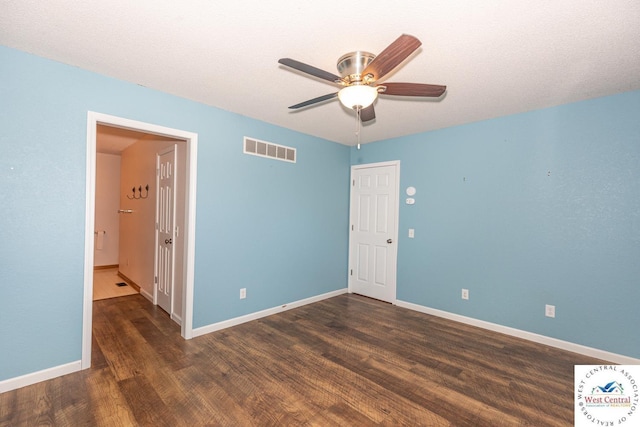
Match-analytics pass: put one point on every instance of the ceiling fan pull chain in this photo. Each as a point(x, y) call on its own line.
point(358, 108)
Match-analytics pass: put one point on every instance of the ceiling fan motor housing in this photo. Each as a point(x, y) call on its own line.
point(351, 65)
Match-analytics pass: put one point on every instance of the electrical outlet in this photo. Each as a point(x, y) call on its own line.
point(550, 310)
point(411, 233)
point(243, 293)
point(465, 294)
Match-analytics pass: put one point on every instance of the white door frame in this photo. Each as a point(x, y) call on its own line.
point(395, 163)
point(93, 120)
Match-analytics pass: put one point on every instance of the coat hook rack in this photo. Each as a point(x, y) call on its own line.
point(139, 195)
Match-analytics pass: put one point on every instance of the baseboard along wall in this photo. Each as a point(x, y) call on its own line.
point(529, 336)
point(47, 374)
point(105, 267)
point(130, 282)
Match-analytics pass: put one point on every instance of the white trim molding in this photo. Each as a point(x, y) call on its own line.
point(191, 138)
point(264, 313)
point(529, 336)
point(36, 377)
point(146, 294)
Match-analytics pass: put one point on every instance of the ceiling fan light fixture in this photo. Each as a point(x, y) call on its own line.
point(357, 95)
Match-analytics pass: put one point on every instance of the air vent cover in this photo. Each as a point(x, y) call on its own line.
point(256, 147)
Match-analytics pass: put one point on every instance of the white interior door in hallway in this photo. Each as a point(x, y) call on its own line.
point(373, 243)
point(165, 229)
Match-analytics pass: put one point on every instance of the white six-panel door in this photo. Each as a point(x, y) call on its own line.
point(373, 243)
point(165, 229)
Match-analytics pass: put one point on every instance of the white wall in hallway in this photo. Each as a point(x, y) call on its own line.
point(107, 205)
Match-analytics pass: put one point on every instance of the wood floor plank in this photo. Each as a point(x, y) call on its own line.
point(256, 382)
point(347, 360)
point(108, 404)
point(145, 404)
point(315, 369)
point(117, 342)
point(213, 403)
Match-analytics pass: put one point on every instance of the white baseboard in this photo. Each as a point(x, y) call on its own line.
point(530, 336)
point(58, 371)
point(36, 377)
point(268, 312)
point(176, 319)
point(146, 294)
point(47, 374)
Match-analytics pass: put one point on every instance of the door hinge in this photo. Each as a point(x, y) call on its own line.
point(351, 227)
point(155, 279)
point(353, 183)
point(351, 272)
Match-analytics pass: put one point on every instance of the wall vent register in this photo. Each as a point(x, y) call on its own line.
point(256, 147)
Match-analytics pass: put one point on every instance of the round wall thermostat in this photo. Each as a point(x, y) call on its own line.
point(411, 191)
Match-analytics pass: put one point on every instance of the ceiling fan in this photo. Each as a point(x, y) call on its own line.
point(359, 74)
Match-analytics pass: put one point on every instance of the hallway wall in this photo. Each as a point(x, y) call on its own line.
point(107, 205)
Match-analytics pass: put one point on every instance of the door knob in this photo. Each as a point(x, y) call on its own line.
point(389, 241)
point(167, 241)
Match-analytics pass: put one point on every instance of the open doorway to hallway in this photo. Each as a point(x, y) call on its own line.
point(127, 219)
point(137, 146)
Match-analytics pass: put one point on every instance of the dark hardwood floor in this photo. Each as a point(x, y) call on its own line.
point(345, 361)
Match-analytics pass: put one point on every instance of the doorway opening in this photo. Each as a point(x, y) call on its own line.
point(185, 274)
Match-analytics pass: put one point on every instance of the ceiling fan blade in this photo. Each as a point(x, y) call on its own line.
point(315, 100)
point(367, 114)
point(309, 69)
point(392, 56)
point(412, 89)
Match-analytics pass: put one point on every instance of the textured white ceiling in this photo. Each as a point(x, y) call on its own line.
point(497, 57)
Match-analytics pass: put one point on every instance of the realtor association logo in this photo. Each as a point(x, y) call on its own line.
point(607, 395)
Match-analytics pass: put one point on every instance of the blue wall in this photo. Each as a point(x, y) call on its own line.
point(527, 210)
point(278, 229)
